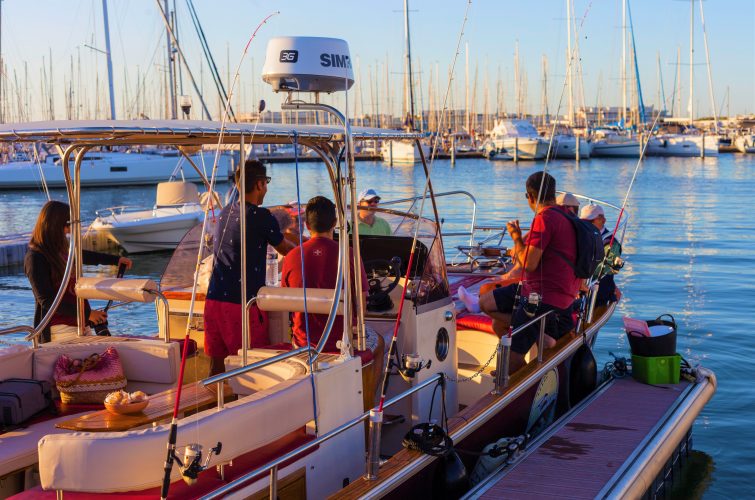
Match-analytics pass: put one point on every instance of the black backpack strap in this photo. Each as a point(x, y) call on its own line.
point(561, 254)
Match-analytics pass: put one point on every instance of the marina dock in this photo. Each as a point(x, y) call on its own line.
point(625, 441)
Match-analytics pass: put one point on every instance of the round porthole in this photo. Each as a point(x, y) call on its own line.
point(441, 344)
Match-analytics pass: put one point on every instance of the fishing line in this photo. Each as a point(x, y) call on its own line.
point(304, 279)
point(397, 324)
point(174, 420)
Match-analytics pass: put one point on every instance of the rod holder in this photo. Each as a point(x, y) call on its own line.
point(502, 365)
point(541, 340)
point(373, 450)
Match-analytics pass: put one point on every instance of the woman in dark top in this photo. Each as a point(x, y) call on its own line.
point(44, 265)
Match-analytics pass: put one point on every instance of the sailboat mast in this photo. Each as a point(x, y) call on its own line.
point(109, 60)
point(691, 62)
point(169, 45)
point(624, 61)
point(409, 84)
point(569, 63)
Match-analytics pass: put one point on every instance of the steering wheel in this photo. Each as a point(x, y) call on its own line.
point(380, 272)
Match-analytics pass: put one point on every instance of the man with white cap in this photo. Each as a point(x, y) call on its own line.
point(568, 201)
point(369, 223)
point(607, 289)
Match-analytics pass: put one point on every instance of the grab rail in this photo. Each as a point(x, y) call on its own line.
point(504, 352)
point(415, 199)
point(273, 466)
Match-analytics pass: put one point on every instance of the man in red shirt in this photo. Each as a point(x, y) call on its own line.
point(548, 284)
point(320, 267)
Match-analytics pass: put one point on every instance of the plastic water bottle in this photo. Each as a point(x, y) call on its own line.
point(271, 267)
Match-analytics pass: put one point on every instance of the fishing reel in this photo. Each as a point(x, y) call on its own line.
point(532, 304)
point(410, 365)
point(192, 465)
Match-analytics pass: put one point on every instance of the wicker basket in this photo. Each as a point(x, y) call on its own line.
point(90, 380)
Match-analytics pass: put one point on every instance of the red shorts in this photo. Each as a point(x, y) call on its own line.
point(222, 328)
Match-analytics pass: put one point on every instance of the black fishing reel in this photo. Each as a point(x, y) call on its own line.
point(428, 438)
point(378, 295)
point(191, 465)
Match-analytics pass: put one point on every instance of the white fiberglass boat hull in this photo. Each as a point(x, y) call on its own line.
point(565, 146)
point(683, 145)
point(603, 148)
point(403, 152)
point(149, 230)
point(109, 169)
point(745, 143)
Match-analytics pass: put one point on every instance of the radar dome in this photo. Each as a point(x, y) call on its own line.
point(308, 64)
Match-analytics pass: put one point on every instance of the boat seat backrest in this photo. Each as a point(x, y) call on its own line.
point(130, 461)
point(149, 361)
point(15, 362)
point(291, 299)
point(118, 289)
point(176, 193)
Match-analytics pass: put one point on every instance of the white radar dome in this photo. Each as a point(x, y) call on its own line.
point(308, 64)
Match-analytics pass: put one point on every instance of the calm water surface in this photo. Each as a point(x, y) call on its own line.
point(689, 250)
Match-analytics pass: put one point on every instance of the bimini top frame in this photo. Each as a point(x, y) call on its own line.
point(184, 133)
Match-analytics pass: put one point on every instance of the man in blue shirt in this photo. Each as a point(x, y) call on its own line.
point(223, 304)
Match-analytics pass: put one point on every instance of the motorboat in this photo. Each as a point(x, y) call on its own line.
point(565, 146)
point(403, 152)
point(609, 143)
point(111, 168)
point(745, 143)
point(518, 139)
point(178, 208)
point(287, 418)
point(683, 145)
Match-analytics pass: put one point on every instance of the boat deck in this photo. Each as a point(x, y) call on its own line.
point(593, 447)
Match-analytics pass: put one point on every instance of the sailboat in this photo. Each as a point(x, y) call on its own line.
point(406, 152)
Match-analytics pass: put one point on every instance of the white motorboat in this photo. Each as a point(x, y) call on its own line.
point(110, 168)
point(177, 209)
point(745, 143)
point(289, 417)
point(683, 145)
point(608, 143)
point(565, 146)
point(518, 139)
point(403, 152)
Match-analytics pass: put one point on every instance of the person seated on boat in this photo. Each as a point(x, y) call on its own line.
point(569, 202)
point(320, 271)
point(547, 277)
point(44, 265)
point(369, 223)
point(607, 289)
point(222, 310)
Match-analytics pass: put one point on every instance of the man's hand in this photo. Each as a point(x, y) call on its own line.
point(514, 231)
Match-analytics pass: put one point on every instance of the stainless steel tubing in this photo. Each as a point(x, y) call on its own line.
point(373, 445)
point(273, 483)
point(259, 364)
point(541, 340)
point(502, 365)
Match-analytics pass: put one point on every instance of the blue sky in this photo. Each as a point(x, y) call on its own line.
point(33, 30)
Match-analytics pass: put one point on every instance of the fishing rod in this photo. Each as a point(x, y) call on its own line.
point(428, 171)
point(171, 452)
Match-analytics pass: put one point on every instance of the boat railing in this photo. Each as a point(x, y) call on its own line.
point(470, 232)
point(272, 467)
point(503, 354)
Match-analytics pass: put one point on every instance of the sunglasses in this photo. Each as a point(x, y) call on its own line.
point(373, 201)
point(266, 179)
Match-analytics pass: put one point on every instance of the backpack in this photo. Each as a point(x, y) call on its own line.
point(590, 251)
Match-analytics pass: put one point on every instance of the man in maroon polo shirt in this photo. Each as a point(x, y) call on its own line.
point(547, 277)
point(320, 267)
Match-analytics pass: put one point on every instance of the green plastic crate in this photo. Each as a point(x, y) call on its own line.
point(656, 369)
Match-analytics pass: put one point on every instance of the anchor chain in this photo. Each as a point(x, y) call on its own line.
point(477, 373)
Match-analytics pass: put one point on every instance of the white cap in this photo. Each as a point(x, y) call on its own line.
point(567, 200)
point(368, 194)
point(591, 212)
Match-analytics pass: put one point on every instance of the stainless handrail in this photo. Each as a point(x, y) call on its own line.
point(469, 195)
point(501, 379)
point(253, 366)
point(317, 442)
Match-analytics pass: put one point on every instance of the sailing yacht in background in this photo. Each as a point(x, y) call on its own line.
point(405, 152)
